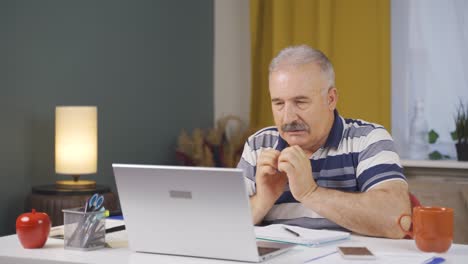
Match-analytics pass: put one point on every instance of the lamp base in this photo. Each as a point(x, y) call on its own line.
point(75, 185)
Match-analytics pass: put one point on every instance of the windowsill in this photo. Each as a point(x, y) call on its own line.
point(440, 164)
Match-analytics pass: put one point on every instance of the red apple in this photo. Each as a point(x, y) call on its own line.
point(33, 229)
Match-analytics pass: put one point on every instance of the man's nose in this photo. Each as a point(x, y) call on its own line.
point(289, 114)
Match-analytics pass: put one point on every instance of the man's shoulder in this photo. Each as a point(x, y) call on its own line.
point(264, 138)
point(360, 123)
point(358, 128)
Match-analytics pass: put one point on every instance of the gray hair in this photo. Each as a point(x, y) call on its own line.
point(303, 54)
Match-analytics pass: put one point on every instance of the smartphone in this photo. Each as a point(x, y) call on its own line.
point(356, 253)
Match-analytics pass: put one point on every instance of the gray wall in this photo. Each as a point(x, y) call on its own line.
point(147, 65)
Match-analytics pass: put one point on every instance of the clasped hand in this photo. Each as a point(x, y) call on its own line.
point(275, 169)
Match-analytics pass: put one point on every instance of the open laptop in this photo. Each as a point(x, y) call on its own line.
point(190, 211)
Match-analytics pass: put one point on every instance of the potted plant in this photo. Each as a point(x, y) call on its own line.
point(461, 132)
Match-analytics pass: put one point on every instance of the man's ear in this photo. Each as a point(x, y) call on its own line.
point(332, 98)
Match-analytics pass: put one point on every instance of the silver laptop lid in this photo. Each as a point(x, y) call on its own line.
point(190, 211)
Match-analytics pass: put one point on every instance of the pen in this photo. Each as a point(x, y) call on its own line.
point(292, 231)
point(115, 229)
point(434, 260)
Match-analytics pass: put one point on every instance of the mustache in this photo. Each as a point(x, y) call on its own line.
point(295, 126)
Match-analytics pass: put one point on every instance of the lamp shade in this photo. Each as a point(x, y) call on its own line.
point(76, 139)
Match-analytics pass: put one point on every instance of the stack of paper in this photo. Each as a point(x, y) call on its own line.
point(303, 236)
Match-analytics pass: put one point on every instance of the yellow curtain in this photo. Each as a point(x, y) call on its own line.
point(355, 35)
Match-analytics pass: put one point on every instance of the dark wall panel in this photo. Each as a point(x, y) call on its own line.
point(147, 65)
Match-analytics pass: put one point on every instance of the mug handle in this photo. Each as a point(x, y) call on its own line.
point(407, 232)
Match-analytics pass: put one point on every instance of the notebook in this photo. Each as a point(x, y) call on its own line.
point(190, 211)
point(299, 235)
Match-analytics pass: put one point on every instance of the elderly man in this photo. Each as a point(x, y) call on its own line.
point(314, 168)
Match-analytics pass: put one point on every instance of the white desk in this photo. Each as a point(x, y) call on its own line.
point(386, 250)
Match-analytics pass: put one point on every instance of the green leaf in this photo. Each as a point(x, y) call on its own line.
point(435, 155)
point(461, 123)
point(446, 157)
point(433, 136)
point(454, 135)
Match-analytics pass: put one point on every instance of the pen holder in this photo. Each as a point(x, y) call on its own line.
point(84, 231)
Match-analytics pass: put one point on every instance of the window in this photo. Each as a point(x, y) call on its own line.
point(430, 64)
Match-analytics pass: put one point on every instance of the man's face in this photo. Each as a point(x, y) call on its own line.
point(303, 113)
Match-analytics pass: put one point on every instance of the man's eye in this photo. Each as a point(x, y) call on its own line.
point(278, 103)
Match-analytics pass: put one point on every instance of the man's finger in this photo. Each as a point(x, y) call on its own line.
point(289, 156)
point(269, 170)
point(284, 166)
point(267, 162)
point(270, 152)
point(300, 151)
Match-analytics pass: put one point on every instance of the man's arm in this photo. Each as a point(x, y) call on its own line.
point(270, 184)
point(259, 208)
point(373, 213)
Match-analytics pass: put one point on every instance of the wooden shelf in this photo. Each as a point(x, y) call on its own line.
point(439, 164)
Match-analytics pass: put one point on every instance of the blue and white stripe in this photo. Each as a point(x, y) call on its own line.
point(357, 156)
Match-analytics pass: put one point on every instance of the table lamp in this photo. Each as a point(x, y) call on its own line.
point(75, 145)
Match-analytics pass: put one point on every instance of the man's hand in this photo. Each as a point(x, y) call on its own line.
point(270, 182)
point(296, 165)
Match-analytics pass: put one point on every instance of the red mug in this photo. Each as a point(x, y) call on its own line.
point(432, 228)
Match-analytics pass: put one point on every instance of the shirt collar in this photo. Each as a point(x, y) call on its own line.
point(336, 132)
point(333, 139)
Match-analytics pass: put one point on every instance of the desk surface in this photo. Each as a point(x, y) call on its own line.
point(386, 250)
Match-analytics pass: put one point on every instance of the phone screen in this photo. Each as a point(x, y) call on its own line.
point(356, 252)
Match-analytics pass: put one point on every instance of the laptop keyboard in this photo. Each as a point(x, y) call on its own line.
point(266, 250)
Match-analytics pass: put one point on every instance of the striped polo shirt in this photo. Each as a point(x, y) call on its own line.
point(356, 157)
